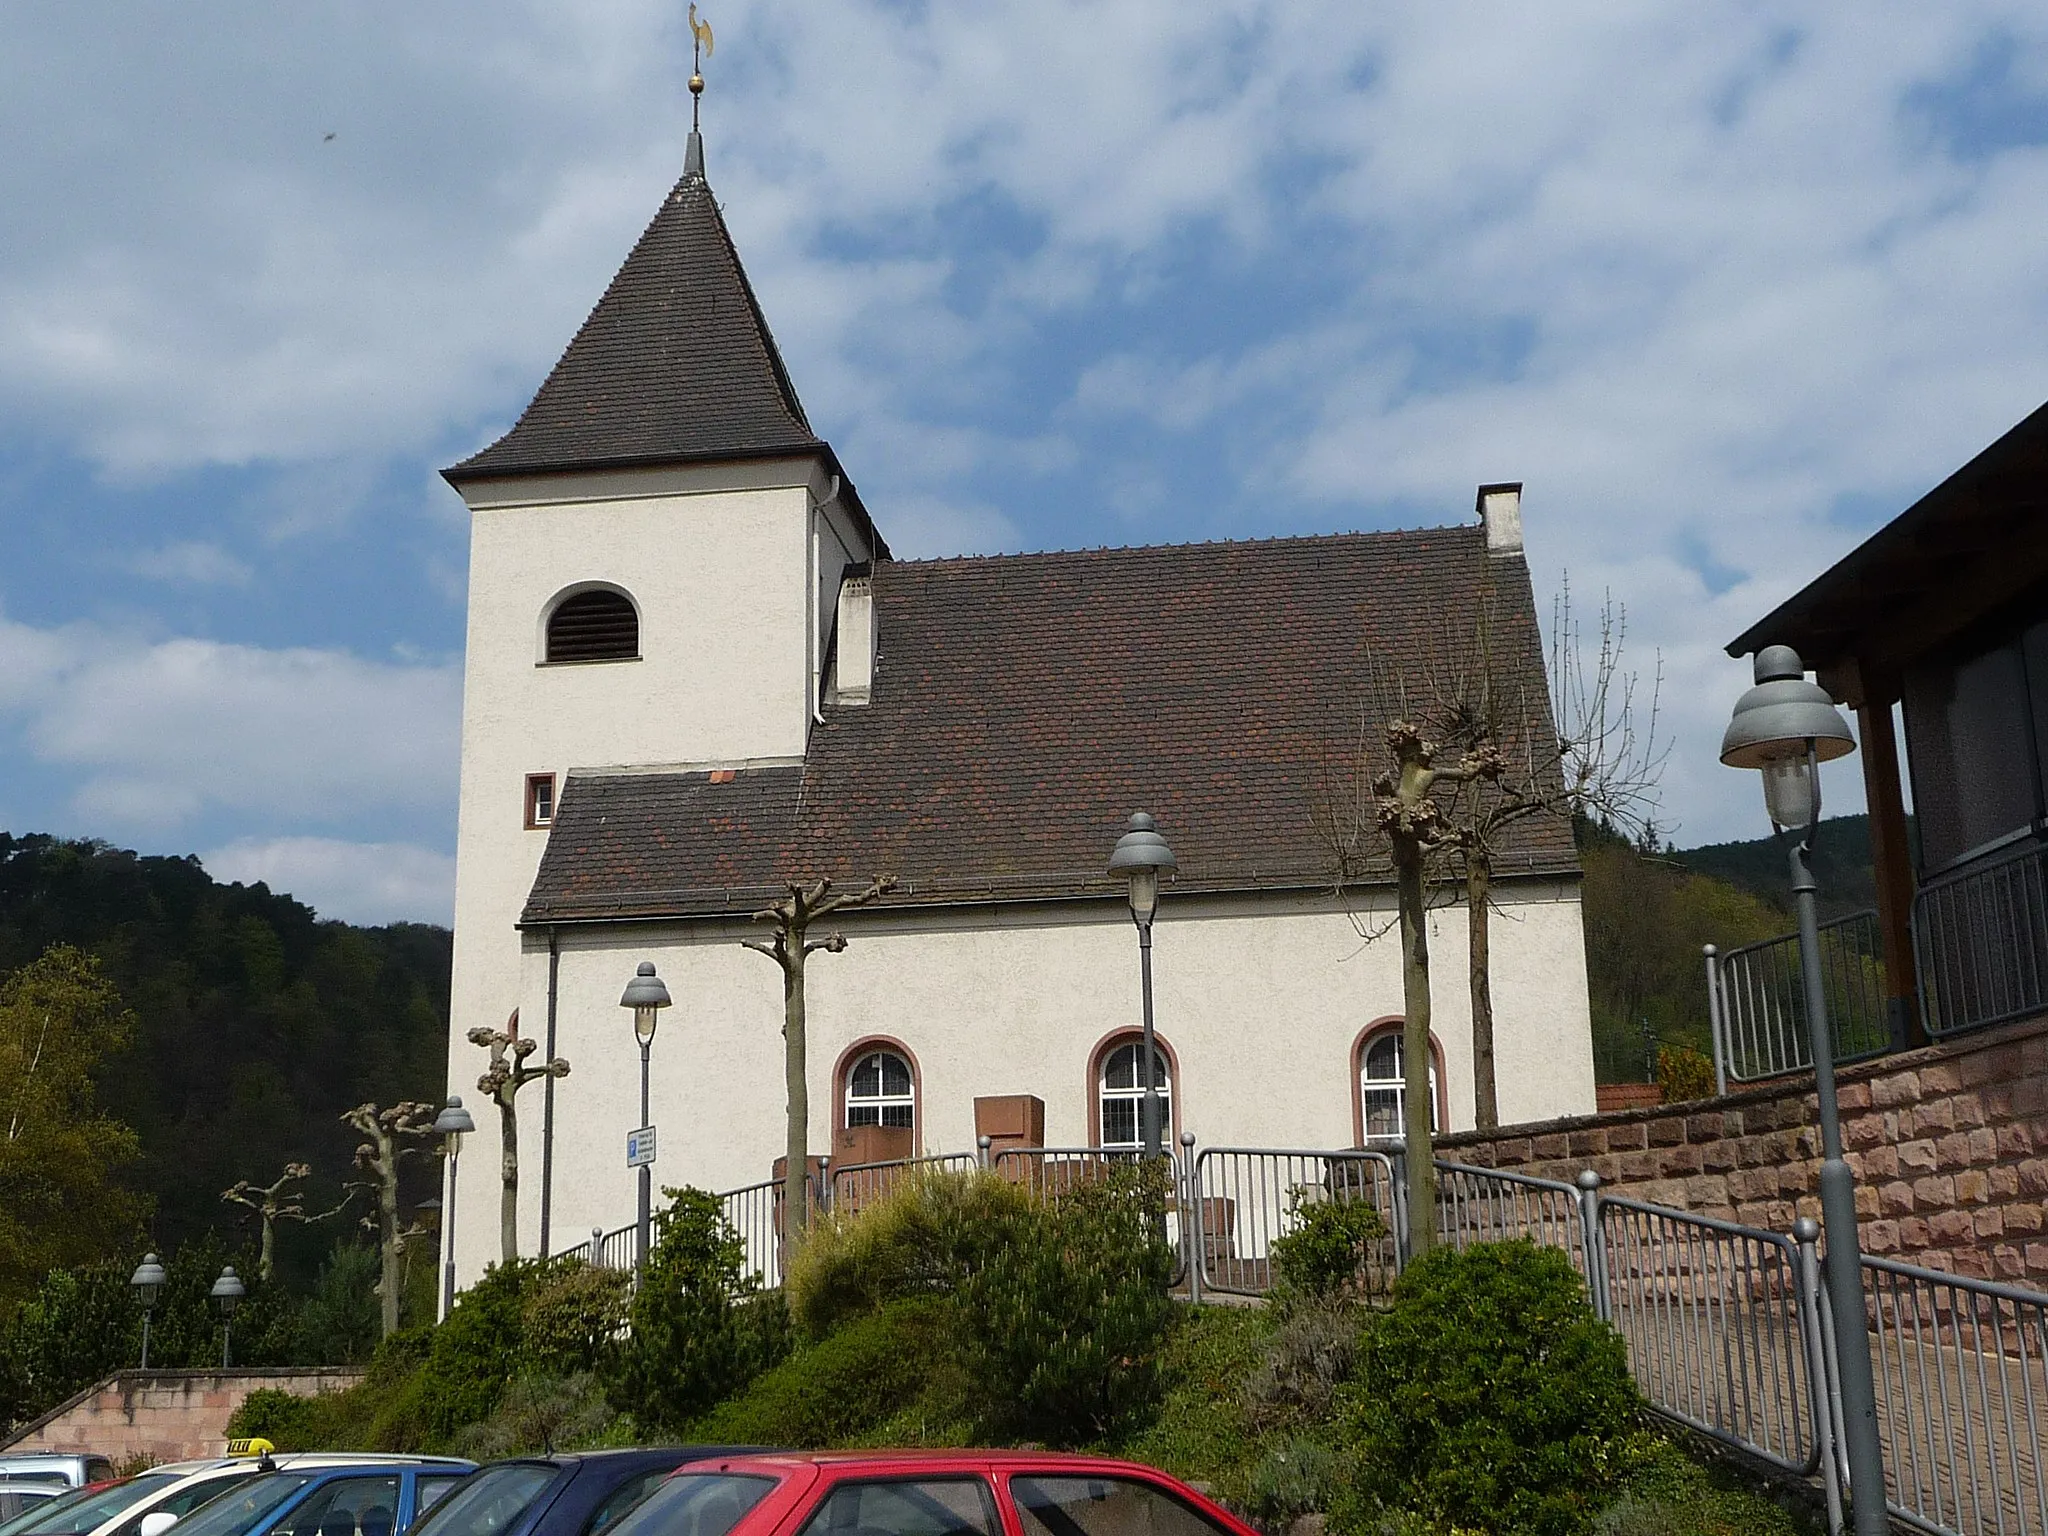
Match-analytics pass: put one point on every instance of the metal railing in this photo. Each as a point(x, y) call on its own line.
point(1982, 939)
point(1484, 1205)
point(1757, 1001)
point(1243, 1198)
point(1962, 1401)
point(858, 1184)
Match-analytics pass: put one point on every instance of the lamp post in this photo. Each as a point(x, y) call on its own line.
point(1786, 727)
point(646, 996)
point(1141, 856)
point(148, 1279)
point(451, 1125)
point(228, 1292)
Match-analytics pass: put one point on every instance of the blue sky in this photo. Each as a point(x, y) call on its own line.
point(1725, 288)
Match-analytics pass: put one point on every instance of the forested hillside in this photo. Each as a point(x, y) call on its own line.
point(255, 1025)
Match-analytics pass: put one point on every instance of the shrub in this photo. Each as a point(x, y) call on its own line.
point(1311, 1355)
point(1200, 1431)
point(1060, 1328)
point(1489, 1395)
point(1326, 1249)
point(1685, 1073)
point(844, 1388)
point(920, 1239)
point(1670, 1494)
point(287, 1420)
point(479, 1345)
point(1300, 1476)
point(570, 1320)
point(697, 1334)
point(540, 1415)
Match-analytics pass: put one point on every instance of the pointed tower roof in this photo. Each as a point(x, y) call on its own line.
point(674, 365)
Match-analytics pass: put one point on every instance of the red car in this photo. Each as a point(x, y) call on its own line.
point(924, 1493)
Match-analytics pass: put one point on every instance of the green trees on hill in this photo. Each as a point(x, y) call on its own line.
point(252, 1025)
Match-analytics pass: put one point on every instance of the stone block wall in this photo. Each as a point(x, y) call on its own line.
point(164, 1415)
point(1949, 1145)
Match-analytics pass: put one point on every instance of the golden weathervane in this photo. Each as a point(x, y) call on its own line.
point(700, 50)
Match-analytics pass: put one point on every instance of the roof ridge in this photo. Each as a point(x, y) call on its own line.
point(1346, 536)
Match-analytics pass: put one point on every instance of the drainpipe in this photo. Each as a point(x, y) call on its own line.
point(547, 1107)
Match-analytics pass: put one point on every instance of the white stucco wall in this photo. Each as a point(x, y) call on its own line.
point(1260, 998)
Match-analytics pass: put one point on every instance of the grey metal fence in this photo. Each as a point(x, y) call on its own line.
point(1714, 1315)
point(1962, 1400)
point(1054, 1170)
point(858, 1184)
point(1242, 1198)
point(1982, 939)
point(1487, 1205)
point(1758, 1003)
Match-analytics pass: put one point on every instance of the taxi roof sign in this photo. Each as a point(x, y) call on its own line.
point(254, 1446)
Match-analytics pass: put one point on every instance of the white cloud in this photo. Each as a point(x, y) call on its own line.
point(192, 562)
point(354, 882)
point(153, 733)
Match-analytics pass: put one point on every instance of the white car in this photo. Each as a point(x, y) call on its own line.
point(150, 1503)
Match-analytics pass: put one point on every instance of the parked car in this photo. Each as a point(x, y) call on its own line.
point(19, 1498)
point(55, 1469)
point(204, 1481)
point(374, 1496)
point(87, 1509)
point(925, 1493)
point(570, 1495)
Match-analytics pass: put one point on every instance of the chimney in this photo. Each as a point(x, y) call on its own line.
point(854, 666)
point(1500, 511)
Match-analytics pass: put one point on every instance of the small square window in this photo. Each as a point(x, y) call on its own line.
point(540, 799)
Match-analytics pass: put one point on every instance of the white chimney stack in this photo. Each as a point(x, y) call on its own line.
point(854, 664)
point(1500, 511)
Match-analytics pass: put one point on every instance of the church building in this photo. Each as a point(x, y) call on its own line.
point(696, 671)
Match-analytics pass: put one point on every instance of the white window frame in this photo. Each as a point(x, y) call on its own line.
point(879, 1103)
point(1133, 1095)
point(1392, 1090)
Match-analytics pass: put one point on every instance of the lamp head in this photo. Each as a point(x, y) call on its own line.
point(1141, 857)
point(228, 1291)
point(454, 1121)
point(148, 1279)
point(644, 994)
point(1786, 727)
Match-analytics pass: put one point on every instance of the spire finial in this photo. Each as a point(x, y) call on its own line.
point(700, 50)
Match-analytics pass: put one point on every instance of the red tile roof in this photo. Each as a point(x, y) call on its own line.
point(1024, 705)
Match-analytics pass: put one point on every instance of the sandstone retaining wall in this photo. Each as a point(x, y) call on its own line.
point(164, 1415)
point(1949, 1145)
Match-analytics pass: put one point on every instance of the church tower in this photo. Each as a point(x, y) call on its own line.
point(656, 554)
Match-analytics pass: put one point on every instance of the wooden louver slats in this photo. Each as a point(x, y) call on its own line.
point(594, 626)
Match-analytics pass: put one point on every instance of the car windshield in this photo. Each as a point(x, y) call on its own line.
point(245, 1507)
point(489, 1501)
point(694, 1504)
point(69, 1517)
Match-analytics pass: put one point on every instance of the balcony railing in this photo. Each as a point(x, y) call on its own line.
point(1758, 1001)
point(1981, 934)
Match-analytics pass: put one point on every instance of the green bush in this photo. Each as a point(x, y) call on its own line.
point(1299, 1476)
point(1060, 1328)
point(540, 1414)
point(339, 1322)
point(478, 1346)
point(845, 1388)
point(1489, 1396)
point(1670, 1494)
point(287, 1420)
point(920, 1239)
point(570, 1321)
point(698, 1333)
point(1686, 1074)
point(1311, 1355)
point(1327, 1247)
point(1201, 1431)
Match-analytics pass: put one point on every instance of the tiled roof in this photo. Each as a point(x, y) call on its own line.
point(675, 364)
point(1024, 705)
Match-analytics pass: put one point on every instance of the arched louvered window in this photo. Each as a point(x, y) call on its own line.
point(599, 625)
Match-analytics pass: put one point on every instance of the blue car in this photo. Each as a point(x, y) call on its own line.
point(365, 1499)
point(579, 1494)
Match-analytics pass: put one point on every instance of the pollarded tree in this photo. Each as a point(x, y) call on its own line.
point(390, 1137)
point(808, 901)
point(279, 1200)
point(502, 1080)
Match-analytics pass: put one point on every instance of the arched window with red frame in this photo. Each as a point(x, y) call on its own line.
point(1116, 1090)
point(1380, 1088)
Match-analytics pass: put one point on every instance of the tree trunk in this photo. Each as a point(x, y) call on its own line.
point(387, 1225)
point(796, 1208)
point(267, 1254)
point(1415, 1057)
point(1478, 912)
point(508, 1199)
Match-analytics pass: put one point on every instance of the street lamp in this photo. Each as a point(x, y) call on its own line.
point(148, 1279)
point(1141, 856)
point(228, 1292)
point(451, 1125)
point(646, 996)
point(1786, 727)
